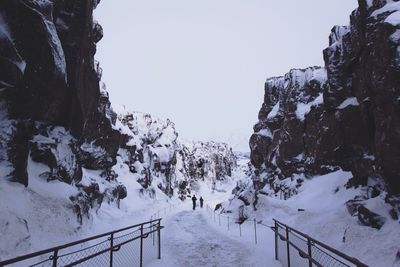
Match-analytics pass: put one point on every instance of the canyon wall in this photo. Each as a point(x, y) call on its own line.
point(344, 115)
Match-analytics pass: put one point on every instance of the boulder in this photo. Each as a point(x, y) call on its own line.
point(369, 218)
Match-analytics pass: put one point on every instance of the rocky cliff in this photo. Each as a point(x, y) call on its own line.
point(345, 115)
point(57, 124)
point(53, 110)
point(158, 158)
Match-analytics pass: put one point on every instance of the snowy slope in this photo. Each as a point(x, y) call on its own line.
point(326, 217)
point(153, 170)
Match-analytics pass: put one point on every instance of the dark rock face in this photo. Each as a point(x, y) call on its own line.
point(345, 115)
point(284, 138)
point(56, 111)
point(54, 79)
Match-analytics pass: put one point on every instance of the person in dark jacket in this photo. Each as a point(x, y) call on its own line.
point(194, 201)
point(201, 202)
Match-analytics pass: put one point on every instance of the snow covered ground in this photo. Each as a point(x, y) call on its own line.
point(325, 217)
point(189, 239)
point(197, 238)
point(41, 215)
point(192, 238)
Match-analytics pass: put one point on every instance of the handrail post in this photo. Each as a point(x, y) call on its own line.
point(276, 240)
point(219, 218)
point(228, 223)
point(255, 230)
point(152, 228)
point(287, 246)
point(111, 249)
point(159, 239)
point(141, 246)
point(152, 234)
point(309, 252)
point(240, 229)
point(55, 257)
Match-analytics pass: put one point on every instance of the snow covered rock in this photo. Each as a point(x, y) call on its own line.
point(346, 115)
point(290, 104)
point(155, 154)
point(369, 218)
point(362, 65)
point(56, 148)
point(54, 115)
point(49, 77)
point(209, 160)
point(65, 157)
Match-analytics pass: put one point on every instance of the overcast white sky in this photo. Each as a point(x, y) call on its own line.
point(203, 63)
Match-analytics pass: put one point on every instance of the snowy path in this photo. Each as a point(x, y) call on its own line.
point(188, 240)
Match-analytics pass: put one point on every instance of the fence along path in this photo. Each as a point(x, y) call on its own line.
point(292, 247)
point(140, 244)
point(191, 241)
point(135, 245)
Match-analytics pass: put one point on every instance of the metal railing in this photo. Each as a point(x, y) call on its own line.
point(241, 226)
point(294, 248)
point(135, 245)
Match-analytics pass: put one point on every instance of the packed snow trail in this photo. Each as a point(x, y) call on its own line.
point(188, 240)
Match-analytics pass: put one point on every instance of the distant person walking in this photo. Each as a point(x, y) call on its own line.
point(201, 202)
point(194, 201)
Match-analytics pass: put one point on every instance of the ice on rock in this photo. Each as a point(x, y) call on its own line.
point(277, 82)
point(6, 34)
point(274, 111)
point(370, 3)
point(53, 39)
point(57, 50)
point(4, 30)
point(297, 78)
point(351, 101)
point(264, 132)
point(162, 153)
point(303, 109)
point(391, 6)
point(394, 18)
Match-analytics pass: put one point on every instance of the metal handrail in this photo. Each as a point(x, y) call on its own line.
point(310, 241)
point(156, 224)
